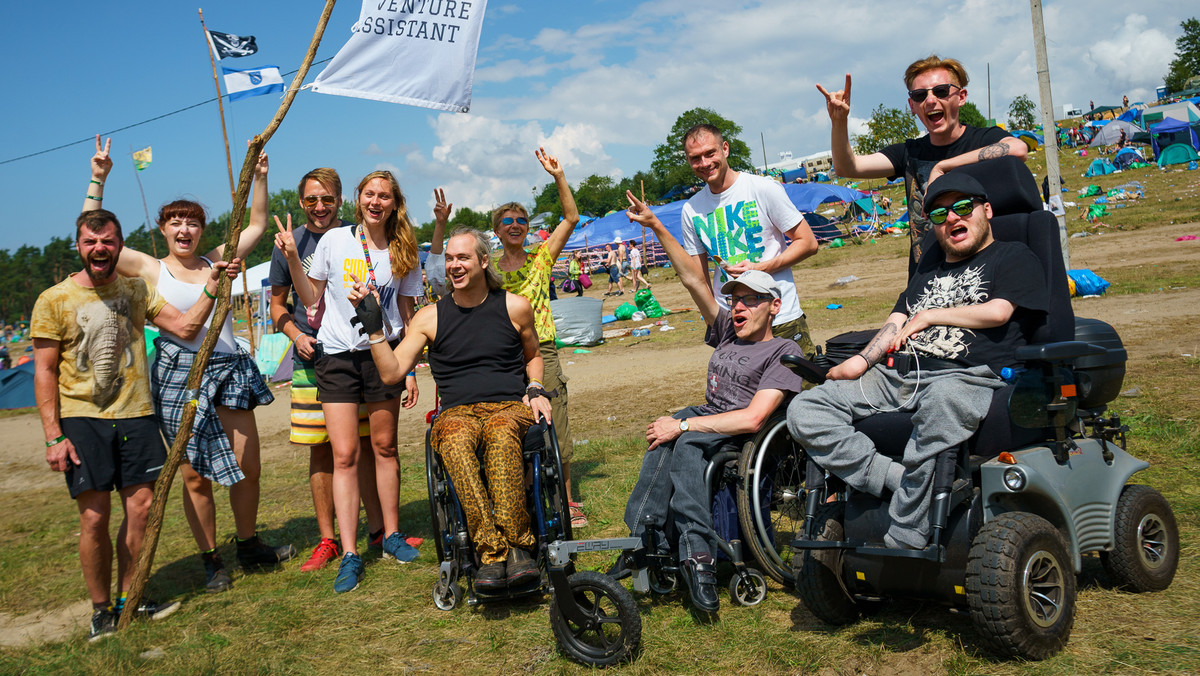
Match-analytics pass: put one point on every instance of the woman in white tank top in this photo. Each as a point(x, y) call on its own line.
point(178, 276)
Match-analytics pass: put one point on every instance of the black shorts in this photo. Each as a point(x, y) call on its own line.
point(352, 378)
point(113, 453)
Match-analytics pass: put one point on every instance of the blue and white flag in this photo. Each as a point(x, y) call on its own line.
point(415, 52)
point(242, 84)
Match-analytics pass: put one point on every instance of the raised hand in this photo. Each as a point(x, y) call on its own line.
point(441, 208)
point(837, 104)
point(367, 311)
point(260, 167)
point(549, 162)
point(284, 241)
point(639, 211)
point(101, 162)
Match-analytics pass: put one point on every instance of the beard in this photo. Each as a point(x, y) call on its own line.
point(102, 276)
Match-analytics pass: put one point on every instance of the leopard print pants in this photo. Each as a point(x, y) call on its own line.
point(498, 522)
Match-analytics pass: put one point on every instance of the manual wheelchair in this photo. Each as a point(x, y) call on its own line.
point(1042, 482)
point(594, 619)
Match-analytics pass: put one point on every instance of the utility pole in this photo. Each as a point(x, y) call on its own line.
point(990, 91)
point(1049, 133)
point(762, 137)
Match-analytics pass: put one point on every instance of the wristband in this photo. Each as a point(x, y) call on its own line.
point(864, 359)
point(61, 438)
point(207, 293)
point(376, 341)
point(99, 183)
point(413, 374)
point(534, 383)
point(537, 392)
point(93, 197)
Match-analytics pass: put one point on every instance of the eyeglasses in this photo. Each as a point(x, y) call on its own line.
point(941, 91)
point(750, 300)
point(327, 200)
point(962, 207)
point(520, 220)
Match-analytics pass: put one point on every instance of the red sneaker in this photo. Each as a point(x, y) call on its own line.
point(325, 551)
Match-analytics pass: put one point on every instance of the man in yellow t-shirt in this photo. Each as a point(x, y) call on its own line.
point(93, 394)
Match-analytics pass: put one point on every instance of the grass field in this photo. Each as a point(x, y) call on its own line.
point(287, 621)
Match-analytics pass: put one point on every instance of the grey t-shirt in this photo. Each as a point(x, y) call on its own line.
point(281, 275)
point(739, 369)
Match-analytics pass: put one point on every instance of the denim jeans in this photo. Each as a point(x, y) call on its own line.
point(671, 489)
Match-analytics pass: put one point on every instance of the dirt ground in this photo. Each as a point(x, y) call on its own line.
point(617, 388)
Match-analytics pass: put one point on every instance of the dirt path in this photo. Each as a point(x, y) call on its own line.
point(619, 387)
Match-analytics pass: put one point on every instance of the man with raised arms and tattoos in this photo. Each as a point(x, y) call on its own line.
point(949, 144)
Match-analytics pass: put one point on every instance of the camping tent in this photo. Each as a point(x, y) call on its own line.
point(1031, 139)
point(1185, 111)
point(254, 278)
point(1100, 167)
point(1127, 156)
point(791, 176)
point(866, 207)
point(1177, 154)
point(16, 387)
point(1110, 133)
point(274, 350)
point(822, 228)
point(1169, 132)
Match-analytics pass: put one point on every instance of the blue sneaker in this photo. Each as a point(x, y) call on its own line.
point(394, 547)
point(350, 573)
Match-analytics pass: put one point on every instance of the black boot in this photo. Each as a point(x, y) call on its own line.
point(254, 553)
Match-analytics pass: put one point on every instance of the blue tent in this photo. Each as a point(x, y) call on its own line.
point(1100, 167)
point(16, 387)
point(1034, 141)
point(1127, 156)
point(822, 228)
point(791, 176)
point(806, 197)
point(1171, 131)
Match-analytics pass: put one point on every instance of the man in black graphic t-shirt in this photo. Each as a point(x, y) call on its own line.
point(960, 318)
point(936, 89)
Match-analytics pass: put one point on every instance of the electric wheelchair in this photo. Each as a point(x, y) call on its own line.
point(1041, 483)
point(594, 619)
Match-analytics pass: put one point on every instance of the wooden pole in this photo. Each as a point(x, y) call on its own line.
point(149, 229)
point(162, 487)
point(645, 261)
point(1049, 134)
point(229, 168)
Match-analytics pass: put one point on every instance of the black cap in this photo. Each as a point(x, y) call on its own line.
point(955, 181)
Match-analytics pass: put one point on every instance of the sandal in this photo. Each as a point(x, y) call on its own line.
point(578, 520)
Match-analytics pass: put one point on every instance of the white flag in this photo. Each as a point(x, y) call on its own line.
point(241, 84)
point(415, 52)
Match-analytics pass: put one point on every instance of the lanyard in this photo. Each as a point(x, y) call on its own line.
point(362, 237)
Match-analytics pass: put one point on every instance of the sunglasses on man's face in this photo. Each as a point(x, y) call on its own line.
point(327, 200)
point(962, 207)
point(750, 300)
point(941, 91)
point(519, 220)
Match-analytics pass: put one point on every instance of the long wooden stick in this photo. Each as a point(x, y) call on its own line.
point(162, 487)
point(228, 167)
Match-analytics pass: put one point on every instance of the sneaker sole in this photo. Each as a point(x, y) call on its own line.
point(100, 637)
point(166, 611)
point(389, 557)
point(344, 591)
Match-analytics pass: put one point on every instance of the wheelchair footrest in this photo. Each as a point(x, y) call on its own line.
point(821, 544)
point(931, 553)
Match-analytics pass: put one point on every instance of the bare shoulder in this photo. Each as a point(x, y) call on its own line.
point(518, 306)
point(425, 321)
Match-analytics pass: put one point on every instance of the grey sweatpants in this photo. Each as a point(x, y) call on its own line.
point(946, 411)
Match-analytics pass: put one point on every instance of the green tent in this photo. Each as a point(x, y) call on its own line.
point(866, 207)
point(1179, 153)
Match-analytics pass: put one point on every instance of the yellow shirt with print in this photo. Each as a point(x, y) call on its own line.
point(532, 282)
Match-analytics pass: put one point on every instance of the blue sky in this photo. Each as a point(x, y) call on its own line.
point(598, 82)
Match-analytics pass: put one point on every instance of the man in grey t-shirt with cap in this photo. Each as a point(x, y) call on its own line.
point(745, 384)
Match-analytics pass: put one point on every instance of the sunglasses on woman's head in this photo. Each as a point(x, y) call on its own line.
point(941, 91)
point(520, 220)
point(327, 200)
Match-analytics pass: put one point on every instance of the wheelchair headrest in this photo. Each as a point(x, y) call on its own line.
point(1010, 186)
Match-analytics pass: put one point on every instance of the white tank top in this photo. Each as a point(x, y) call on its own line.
point(183, 296)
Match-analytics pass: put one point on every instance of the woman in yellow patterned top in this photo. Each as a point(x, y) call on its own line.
point(527, 274)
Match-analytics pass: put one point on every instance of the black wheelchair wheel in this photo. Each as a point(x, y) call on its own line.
point(613, 630)
point(555, 489)
point(1021, 586)
point(446, 597)
point(771, 499)
point(438, 520)
point(818, 572)
point(1145, 549)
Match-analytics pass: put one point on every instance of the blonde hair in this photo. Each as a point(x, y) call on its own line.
point(933, 62)
point(498, 212)
point(483, 251)
point(327, 178)
point(398, 229)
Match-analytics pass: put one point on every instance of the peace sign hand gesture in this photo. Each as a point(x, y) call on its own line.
point(837, 104)
point(101, 162)
point(441, 208)
point(549, 162)
point(284, 241)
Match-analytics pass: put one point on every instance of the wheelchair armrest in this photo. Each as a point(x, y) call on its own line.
point(1057, 352)
point(804, 368)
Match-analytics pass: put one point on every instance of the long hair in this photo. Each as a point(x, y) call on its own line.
point(402, 241)
point(483, 251)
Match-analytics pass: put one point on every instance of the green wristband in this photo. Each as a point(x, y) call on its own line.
point(93, 197)
point(207, 293)
point(61, 438)
point(97, 182)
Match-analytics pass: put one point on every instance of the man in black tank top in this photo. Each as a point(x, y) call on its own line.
point(491, 391)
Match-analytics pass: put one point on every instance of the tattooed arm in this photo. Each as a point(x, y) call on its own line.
point(1008, 146)
point(873, 353)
